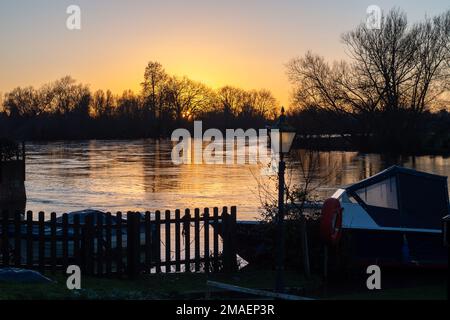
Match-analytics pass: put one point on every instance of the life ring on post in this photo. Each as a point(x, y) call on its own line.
point(331, 221)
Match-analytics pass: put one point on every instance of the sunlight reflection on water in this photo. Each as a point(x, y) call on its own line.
point(139, 175)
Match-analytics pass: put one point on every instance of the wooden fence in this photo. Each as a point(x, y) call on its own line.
point(103, 244)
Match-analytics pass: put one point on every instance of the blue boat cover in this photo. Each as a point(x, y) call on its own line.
point(403, 198)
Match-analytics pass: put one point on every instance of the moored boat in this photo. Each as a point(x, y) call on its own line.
point(392, 218)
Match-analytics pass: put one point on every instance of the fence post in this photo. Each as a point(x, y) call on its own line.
point(53, 242)
point(88, 245)
point(108, 236)
point(187, 240)
point(206, 240)
point(65, 241)
point(99, 243)
point(30, 239)
point(119, 249)
point(17, 240)
point(216, 239)
point(232, 231)
point(197, 239)
point(167, 242)
point(41, 242)
point(225, 240)
point(77, 242)
point(133, 243)
point(156, 244)
point(148, 242)
point(229, 239)
point(177, 241)
point(5, 240)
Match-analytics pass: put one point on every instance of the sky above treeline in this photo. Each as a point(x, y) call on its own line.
point(227, 42)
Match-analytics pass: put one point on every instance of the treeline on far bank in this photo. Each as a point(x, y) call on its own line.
point(380, 132)
point(66, 109)
point(317, 128)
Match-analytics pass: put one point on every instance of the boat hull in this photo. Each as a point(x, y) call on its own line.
point(360, 247)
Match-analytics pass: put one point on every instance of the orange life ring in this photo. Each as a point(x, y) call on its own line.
point(331, 221)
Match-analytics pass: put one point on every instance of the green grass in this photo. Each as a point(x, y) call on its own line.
point(432, 292)
point(163, 286)
point(193, 286)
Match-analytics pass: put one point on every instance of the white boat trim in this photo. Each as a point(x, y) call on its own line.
point(437, 231)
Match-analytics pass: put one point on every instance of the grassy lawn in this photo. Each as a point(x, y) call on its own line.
point(432, 292)
point(193, 286)
point(163, 286)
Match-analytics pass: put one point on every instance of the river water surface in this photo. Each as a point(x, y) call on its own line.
point(139, 175)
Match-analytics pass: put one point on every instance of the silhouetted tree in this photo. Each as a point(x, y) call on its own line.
point(395, 74)
point(22, 102)
point(185, 98)
point(155, 79)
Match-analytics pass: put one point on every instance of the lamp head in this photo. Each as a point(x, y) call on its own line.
point(282, 133)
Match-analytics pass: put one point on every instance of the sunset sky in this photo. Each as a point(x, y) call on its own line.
point(243, 43)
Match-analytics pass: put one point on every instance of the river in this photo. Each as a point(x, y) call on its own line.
point(139, 175)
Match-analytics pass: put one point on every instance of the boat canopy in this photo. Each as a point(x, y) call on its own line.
point(401, 197)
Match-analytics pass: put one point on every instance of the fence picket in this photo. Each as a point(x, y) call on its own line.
point(197, 239)
point(177, 241)
point(41, 242)
point(108, 240)
point(167, 243)
point(65, 241)
point(148, 242)
point(5, 240)
point(119, 250)
point(29, 240)
point(76, 241)
point(157, 244)
point(187, 240)
point(206, 239)
point(96, 243)
point(99, 237)
point(216, 239)
point(53, 242)
point(17, 240)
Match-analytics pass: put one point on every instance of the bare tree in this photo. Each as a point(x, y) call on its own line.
point(186, 98)
point(230, 99)
point(155, 78)
point(394, 74)
point(22, 102)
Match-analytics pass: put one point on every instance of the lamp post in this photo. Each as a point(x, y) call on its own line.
point(282, 136)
